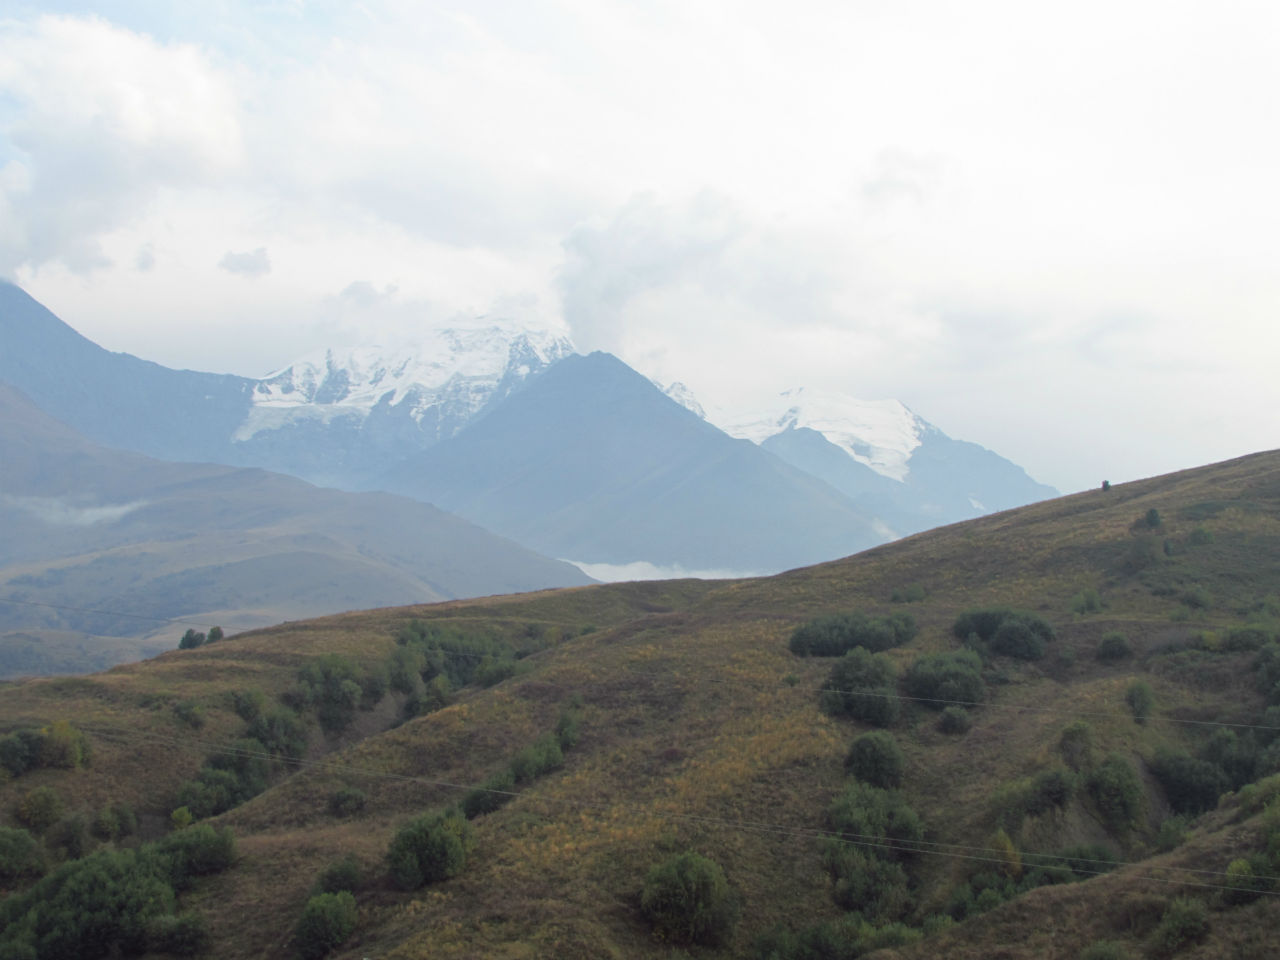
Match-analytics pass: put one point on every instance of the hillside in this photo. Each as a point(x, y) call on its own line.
point(86, 529)
point(698, 729)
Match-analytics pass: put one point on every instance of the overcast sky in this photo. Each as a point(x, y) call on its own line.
point(1052, 229)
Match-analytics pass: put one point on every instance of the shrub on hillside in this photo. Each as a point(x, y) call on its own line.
point(1140, 700)
point(955, 720)
point(347, 802)
point(541, 756)
point(1075, 744)
point(1191, 785)
point(687, 900)
point(875, 887)
point(835, 635)
point(20, 751)
point(281, 733)
point(191, 639)
point(1086, 601)
point(1017, 638)
point(327, 921)
point(860, 686)
point(490, 795)
point(1185, 922)
point(39, 809)
point(1244, 639)
point(63, 746)
point(183, 935)
point(876, 758)
point(69, 836)
point(1113, 646)
point(248, 704)
point(340, 875)
point(429, 848)
point(1116, 792)
point(862, 813)
point(1050, 789)
point(942, 678)
point(20, 855)
point(910, 594)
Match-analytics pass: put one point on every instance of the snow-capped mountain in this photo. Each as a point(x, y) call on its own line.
point(881, 434)
point(444, 378)
point(890, 461)
point(386, 403)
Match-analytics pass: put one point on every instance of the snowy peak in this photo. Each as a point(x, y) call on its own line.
point(882, 434)
point(683, 396)
point(443, 378)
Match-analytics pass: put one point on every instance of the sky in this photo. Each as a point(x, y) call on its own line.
point(1051, 229)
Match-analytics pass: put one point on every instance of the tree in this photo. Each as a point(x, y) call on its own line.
point(191, 639)
point(327, 921)
point(876, 758)
point(431, 847)
point(688, 900)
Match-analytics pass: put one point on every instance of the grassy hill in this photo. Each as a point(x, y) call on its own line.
point(699, 730)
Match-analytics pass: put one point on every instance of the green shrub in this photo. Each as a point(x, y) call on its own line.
point(1191, 785)
point(183, 935)
point(20, 751)
point(248, 704)
point(1172, 833)
point(490, 795)
point(1140, 700)
point(1086, 601)
point(876, 758)
point(541, 756)
point(340, 875)
point(20, 855)
point(569, 727)
point(862, 813)
point(687, 900)
point(63, 746)
point(429, 848)
point(955, 720)
point(70, 836)
point(860, 686)
point(1185, 922)
point(911, 594)
point(281, 733)
point(1151, 519)
point(876, 887)
point(984, 623)
point(1050, 789)
point(1017, 638)
point(39, 809)
point(191, 639)
point(1242, 885)
point(195, 852)
point(347, 802)
point(835, 635)
point(1244, 639)
point(1075, 744)
point(943, 678)
point(1113, 646)
point(327, 921)
point(1116, 792)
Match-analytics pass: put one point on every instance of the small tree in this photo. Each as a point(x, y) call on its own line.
point(876, 758)
point(688, 900)
point(215, 634)
point(191, 639)
point(1140, 700)
point(432, 847)
point(1113, 646)
point(327, 921)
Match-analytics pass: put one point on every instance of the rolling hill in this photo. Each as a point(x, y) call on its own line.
point(1035, 818)
point(86, 529)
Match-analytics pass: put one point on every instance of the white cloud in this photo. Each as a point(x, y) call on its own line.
point(252, 263)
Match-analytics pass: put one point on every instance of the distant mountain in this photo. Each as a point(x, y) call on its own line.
point(891, 462)
point(590, 461)
point(98, 529)
point(418, 418)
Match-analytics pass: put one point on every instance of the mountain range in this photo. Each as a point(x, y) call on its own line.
point(578, 457)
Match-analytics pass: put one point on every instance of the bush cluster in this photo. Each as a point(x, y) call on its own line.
point(114, 902)
point(58, 745)
point(1113, 646)
point(542, 756)
point(882, 833)
point(940, 679)
point(194, 638)
point(987, 888)
point(327, 921)
point(336, 688)
point(1116, 792)
point(861, 686)
point(835, 635)
point(687, 900)
point(430, 848)
point(876, 758)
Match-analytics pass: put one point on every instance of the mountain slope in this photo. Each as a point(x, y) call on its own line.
point(85, 526)
point(590, 461)
point(701, 731)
